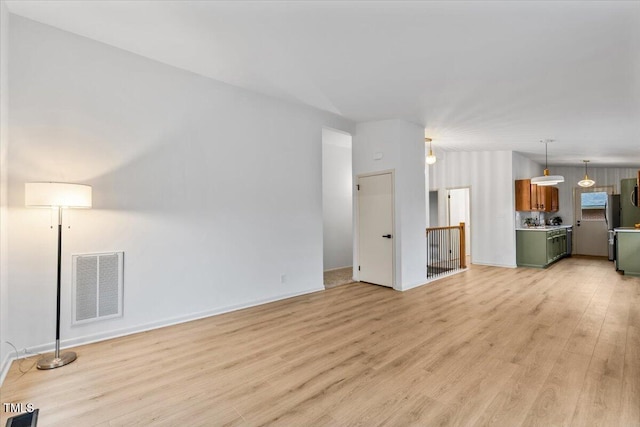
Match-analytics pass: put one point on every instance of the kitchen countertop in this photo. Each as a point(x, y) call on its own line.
point(544, 228)
point(626, 230)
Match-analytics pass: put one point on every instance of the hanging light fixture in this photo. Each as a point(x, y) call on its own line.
point(547, 179)
point(586, 182)
point(431, 158)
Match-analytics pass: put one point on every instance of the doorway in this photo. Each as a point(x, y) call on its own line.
point(590, 228)
point(458, 209)
point(337, 208)
point(376, 228)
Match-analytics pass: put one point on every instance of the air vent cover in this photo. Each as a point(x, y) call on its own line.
point(97, 286)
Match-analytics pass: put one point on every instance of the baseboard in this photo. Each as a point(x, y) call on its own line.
point(338, 268)
point(6, 364)
point(435, 279)
point(495, 265)
point(107, 335)
point(412, 285)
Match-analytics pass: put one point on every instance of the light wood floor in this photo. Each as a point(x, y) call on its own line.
point(490, 346)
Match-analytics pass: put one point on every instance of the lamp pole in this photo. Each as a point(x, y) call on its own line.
point(57, 354)
point(57, 359)
point(57, 195)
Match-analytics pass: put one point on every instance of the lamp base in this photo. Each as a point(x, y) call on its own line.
point(51, 361)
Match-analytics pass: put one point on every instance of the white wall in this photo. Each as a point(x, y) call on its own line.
point(211, 191)
point(524, 168)
point(4, 143)
point(337, 204)
point(402, 147)
point(489, 176)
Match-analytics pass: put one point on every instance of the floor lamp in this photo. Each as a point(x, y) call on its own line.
point(57, 195)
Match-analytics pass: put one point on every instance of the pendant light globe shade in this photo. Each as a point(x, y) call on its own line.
point(431, 158)
point(586, 182)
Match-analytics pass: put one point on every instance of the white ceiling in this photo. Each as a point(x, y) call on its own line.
point(479, 75)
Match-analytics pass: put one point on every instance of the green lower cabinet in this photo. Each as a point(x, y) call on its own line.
point(551, 249)
point(628, 256)
point(540, 248)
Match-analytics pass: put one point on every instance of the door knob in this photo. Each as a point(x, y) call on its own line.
point(388, 236)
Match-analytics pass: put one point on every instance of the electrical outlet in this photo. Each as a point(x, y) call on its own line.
point(283, 278)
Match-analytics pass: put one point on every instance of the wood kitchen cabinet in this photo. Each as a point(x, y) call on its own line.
point(555, 199)
point(535, 197)
point(548, 199)
point(531, 197)
point(524, 195)
point(544, 198)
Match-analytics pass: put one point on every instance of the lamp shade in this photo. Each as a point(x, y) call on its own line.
point(586, 182)
point(57, 194)
point(546, 180)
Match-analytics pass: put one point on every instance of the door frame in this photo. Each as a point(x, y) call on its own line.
point(356, 223)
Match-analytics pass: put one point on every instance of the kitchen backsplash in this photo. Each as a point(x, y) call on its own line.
point(540, 218)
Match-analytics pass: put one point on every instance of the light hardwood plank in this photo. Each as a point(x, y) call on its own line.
point(512, 404)
point(556, 401)
point(630, 399)
point(490, 346)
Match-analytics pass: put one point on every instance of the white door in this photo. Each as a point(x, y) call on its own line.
point(375, 229)
point(590, 228)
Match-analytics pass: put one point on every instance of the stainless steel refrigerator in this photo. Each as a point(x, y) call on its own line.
point(612, 218)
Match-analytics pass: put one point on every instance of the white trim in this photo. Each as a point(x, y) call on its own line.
point(338, 268)
point(89, 339)
point(429, 281)
point(495, 265)
point(414, 285)
point(6, 363)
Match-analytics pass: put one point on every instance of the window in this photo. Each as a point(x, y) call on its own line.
point(593, 206)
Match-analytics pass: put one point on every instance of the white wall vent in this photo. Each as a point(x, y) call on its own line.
point(97, 286)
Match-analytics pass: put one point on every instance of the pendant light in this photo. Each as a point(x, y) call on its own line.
point(431, 158)
point(547, 179)
point(586, 182)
